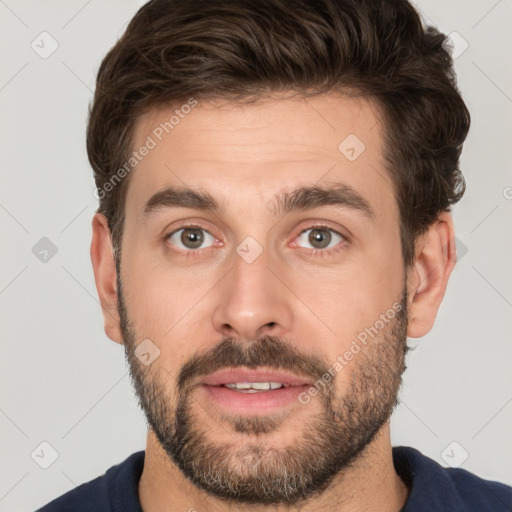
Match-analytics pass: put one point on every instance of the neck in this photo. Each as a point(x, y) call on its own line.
point(369, 483)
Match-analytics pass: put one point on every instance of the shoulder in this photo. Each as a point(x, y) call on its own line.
point(480, 494)
point(116, 489)
point(434, 487)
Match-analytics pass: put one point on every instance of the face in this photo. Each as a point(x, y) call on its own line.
point(261, 245)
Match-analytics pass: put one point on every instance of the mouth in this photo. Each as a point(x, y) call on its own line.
point(258, 380)
point(247, 391)
point(256, 387)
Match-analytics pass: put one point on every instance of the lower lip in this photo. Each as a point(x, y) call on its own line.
point(251, 403)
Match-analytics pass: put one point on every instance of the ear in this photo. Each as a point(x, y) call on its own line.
point(428, 278)
point(103, 263)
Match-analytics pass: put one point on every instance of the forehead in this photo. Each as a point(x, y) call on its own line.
point(246, 152)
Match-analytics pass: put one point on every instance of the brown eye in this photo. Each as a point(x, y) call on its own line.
point(192, 236)
point(189, 238)
point(320, 237)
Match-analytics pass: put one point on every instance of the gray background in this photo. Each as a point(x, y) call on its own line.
point(65, 383)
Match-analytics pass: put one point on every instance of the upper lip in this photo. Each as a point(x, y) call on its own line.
point(232, 375)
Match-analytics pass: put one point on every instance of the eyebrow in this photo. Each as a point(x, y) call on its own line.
point(300, 199)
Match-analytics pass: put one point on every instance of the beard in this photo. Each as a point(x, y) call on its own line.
point(329, 442)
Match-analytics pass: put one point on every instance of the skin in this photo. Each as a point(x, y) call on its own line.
point(187, 306)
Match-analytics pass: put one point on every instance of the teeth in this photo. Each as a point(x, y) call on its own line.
point(254, 387)
point(261, 385)
point(240, 385)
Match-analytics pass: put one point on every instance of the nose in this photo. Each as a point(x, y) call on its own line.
point(253, 301)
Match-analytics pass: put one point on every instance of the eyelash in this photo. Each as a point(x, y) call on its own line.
point(320, 253)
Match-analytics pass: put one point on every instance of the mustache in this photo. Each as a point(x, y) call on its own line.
point(268, 351)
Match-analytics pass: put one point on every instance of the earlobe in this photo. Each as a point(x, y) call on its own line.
point(428, 278)
point(105, 276)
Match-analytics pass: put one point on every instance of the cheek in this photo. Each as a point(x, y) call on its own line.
point(156, 291)
point(161, 302)
point(166, 304)
point(342, 303)
point(352, 294)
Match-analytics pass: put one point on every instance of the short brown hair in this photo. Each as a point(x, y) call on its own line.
point(240, 50)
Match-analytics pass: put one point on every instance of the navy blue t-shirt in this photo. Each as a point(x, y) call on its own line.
point(433, 488)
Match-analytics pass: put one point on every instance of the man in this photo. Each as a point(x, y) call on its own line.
point(275, 182)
